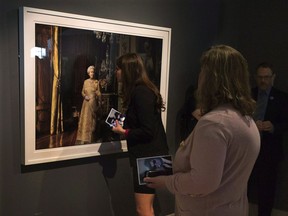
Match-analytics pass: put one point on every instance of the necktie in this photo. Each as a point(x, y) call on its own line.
point(261, 106)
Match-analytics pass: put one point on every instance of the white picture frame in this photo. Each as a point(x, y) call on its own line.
point(31, 21)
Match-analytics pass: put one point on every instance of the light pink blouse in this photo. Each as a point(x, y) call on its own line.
point(212, 166)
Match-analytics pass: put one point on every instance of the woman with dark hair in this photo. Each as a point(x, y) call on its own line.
point(143, 127)
point(212, 166)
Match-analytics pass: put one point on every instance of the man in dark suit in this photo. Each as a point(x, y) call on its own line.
point(271, 117)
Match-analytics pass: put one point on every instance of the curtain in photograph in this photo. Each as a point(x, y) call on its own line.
point(43, 79)
point(56, 125)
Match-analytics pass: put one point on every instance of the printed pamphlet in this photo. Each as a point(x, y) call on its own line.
point(113, 116)
point(153, 166)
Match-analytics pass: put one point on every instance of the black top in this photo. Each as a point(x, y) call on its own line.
point(277, 113)
point(146, 135)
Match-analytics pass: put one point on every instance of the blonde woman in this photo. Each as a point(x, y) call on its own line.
point(91, 98)
point(212, 166)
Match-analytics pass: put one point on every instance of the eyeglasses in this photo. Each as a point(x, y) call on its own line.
point(264, 77)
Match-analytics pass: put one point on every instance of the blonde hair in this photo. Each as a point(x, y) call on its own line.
point(225, 79)
point(91, 67)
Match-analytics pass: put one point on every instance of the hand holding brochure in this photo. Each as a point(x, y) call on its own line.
point(153, 166)
point(113, 116)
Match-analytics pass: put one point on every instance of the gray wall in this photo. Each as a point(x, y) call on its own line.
point(101, 185)
point(259, 30)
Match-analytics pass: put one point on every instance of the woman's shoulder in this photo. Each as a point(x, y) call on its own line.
point(220, 112)
point(142, 92)
point(140, 89)
point(91, 81)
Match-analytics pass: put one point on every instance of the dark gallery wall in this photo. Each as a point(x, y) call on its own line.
point(259, 30)
point(98, 185)
point(102, 185)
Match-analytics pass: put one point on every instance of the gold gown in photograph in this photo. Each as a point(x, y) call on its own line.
point(87, 120)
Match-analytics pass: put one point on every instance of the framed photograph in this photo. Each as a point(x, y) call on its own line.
point(68, 84)
point(113, 116)
point(153, 166)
